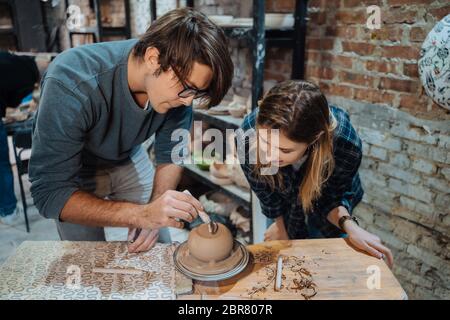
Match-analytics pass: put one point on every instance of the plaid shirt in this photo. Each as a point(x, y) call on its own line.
point(343, 188)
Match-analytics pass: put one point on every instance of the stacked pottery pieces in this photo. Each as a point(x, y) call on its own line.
point(225, 174)
point(237, 107)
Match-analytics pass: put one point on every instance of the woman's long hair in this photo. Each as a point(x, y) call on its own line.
point(300, 111)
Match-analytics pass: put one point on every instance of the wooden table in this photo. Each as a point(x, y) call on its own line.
point(38, 270)
point(338, 270)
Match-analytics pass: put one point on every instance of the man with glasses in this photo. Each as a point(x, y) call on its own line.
point(99, 103)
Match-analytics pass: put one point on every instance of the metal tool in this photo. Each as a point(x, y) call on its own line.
point(136, 235)
point(212, 226)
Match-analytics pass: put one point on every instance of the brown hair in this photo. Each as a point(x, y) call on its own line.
point(184, 36)
point(300, 111)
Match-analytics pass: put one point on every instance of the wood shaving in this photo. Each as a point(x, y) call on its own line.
point(302, 280)
point(264, 256)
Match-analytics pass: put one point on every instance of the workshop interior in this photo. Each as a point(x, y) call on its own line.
point(224, 150)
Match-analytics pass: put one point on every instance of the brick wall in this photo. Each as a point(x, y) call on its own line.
point(373, 75)
point(346, 58)
point(406, 165)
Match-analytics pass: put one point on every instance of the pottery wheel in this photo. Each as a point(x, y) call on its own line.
point(221, 270)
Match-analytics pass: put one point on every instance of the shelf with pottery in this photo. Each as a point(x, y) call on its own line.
point(239, 194)
point(227, 115)
point(7, 29)
point(220, 121)
point(274, 37)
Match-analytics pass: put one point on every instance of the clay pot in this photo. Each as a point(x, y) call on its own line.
point(208, 247)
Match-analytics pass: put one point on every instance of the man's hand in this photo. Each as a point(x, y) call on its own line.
point(368, 242)
point(168, 209)
point(276, 231)
point(144, 242)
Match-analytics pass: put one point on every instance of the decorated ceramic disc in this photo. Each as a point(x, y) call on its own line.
point(434, 63)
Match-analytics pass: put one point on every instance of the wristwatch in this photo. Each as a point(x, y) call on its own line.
point(345, 218)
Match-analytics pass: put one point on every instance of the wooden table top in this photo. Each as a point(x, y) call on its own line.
point(330, 268)
point(337, 269)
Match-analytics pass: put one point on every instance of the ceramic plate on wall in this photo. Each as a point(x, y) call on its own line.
point(434, 63)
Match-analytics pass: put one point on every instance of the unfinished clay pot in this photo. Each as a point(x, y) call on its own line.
point(208, 247)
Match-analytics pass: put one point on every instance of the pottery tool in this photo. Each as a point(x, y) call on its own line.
point(212, 226)
point(279, 273)
point(136, 235)
point(130, 271)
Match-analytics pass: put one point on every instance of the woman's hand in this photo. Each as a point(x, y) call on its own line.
point(368, 242)
point(276, 231)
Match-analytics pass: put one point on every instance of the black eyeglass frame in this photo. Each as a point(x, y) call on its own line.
point(189, 92)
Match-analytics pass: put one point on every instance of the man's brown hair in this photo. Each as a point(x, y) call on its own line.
point(184, 36)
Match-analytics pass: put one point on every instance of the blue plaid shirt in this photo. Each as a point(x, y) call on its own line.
point(343, 188)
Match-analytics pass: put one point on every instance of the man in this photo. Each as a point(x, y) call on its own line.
point(99, 103)
point(19, 76)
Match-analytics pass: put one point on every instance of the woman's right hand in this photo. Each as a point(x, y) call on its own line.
point(368, 242)
point(168, 209)
point(276, 231)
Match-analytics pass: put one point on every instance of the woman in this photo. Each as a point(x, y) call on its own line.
point(317, 184)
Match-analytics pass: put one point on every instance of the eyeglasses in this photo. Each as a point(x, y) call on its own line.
point(189, 92)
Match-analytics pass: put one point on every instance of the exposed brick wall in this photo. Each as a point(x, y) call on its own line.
point(406, 165)
point(373, 75)
point(405, 174)
point(346, 58)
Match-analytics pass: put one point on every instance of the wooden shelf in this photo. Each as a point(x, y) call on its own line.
point(83, 30)
point(276, 37)
point(7, 30)
point(223, 122)
point(115, 31)
point(240, 195)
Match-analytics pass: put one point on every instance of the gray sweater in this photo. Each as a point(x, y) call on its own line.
point(87, 117)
